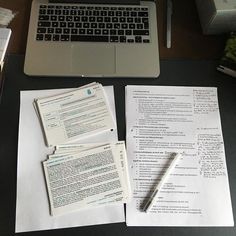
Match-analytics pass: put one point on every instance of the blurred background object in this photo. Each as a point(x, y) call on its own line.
point(217, 16)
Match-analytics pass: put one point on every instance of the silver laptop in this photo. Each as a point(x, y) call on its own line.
point(75, 38)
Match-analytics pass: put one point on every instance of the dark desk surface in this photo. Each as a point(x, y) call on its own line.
point(187, 38)
point(173, 72)
point(187, 43)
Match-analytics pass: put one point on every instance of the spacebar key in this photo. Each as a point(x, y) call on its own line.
point(87, 38)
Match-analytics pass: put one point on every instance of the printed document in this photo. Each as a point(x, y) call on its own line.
point(119, 148)
point(74, 115)
point(32, 205)
point(89, 178)
point(161, 120)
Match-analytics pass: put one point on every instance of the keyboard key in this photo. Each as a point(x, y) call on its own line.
point(138, 39)
point(69, 18)
point(117, 26)
point(107, 19)
point(58, 12)
point(55, 24)
point(128, 32)
point(88, 13)
point(61, 18)
point(48, 37)
point(50, 30)
point(65, 37)
point(124, 26)
point(140, 32)
point(114, 19)
point(44, 24)
point(121, 32)
point(139, 26)
point(50, 12)
point(109, 26)
point(41, 30)
point(105, 32)
point(103, 13)
point(130, 20)
point(80, 13)
point(81, 31)
point(134, 14)
point(73, 12)
point(71, 24)
point(56, 37)
point(84, 18)
point(76, 18)
point(94, 25)
point(123, 39)
point(43, 18)
point(99, 19)
point(95, 13)
point(98, 31)
point(53, 18)
point(62, 24)
point(122, 19)
point(42, 12)
point(89, 31)
point(101, 25)
point(114, 39)
point(131, 26)
point(111, 13)
point(113, 32)
point(74, 31)
point(39, 37)
point(92, 19)
point(58, 30)
point(66, 12)
point(66, 31)
point(88, 38)
point(86, 25)
point(143, 14)
point(78, 25)
point(146, 41)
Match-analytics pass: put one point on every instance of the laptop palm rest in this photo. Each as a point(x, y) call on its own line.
point(97, 60)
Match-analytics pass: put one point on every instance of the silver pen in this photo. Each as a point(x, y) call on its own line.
point(227, 71)
point(168, 23)
point(151, 201)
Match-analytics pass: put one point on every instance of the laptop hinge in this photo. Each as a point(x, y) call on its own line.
point(122, 2)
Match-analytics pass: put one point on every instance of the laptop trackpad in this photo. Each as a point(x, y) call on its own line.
point(93, 59)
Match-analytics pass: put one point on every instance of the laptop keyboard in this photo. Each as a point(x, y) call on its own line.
point(88, 23)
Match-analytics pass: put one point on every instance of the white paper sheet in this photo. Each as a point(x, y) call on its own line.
point(32, 206)
point(74, 115)
point(162, 120)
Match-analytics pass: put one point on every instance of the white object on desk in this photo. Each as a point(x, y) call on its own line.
point(151, 201)
point(32, 200)
point(5, 35)
point(6, 16)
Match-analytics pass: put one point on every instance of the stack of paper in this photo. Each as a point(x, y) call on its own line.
point(74, 115)
point(81, 176)
point(5, 35)
point(86, 175)
point(32, 205)
point(6, 16)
